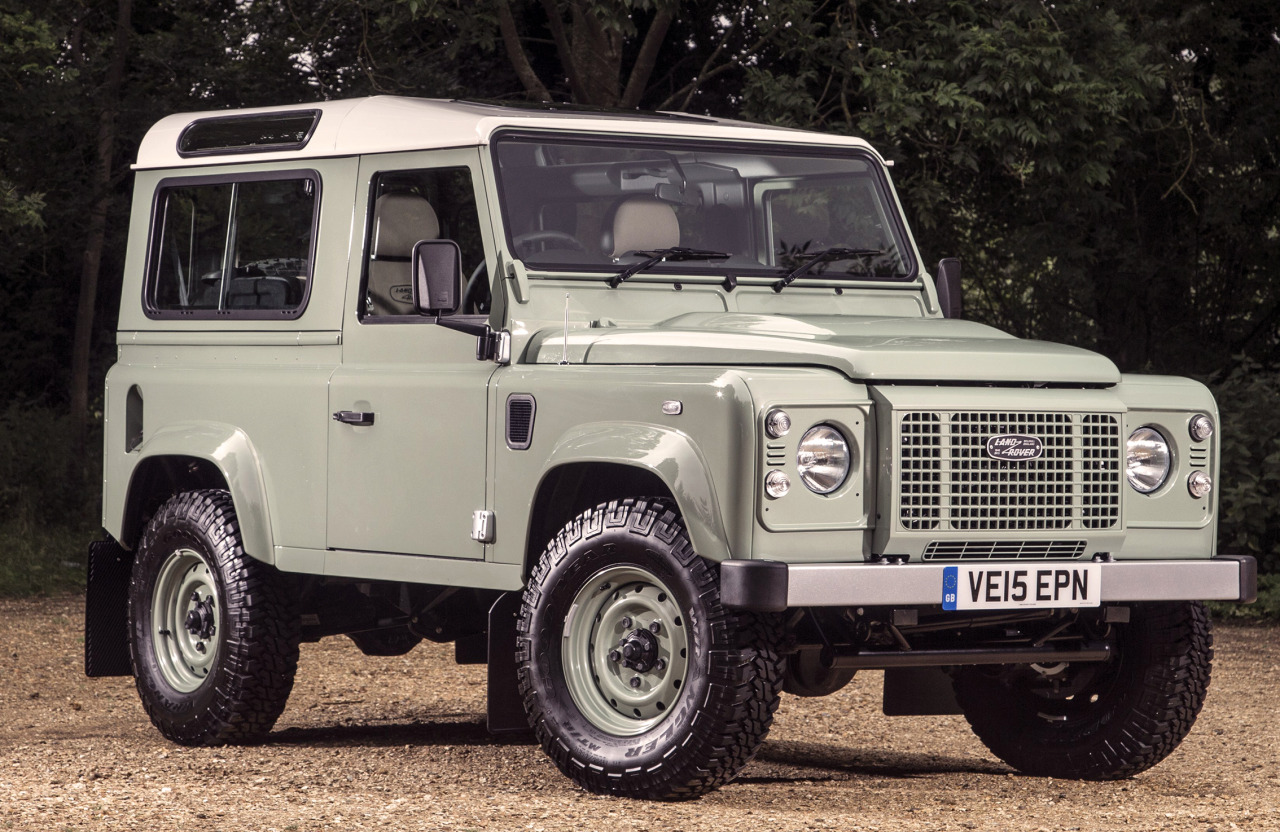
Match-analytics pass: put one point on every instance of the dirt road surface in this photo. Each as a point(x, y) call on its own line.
point(400, 743)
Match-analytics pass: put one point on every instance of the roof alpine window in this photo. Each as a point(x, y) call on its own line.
point(248, 134)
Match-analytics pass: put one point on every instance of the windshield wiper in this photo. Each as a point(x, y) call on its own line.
point(826, 255)
point(671, 255)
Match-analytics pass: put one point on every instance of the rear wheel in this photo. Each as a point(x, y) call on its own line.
point(1098, 721)
point(635, 678)
point(213, 632)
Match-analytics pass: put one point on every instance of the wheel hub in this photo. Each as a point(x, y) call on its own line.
point(639, 650)
point(200, 621)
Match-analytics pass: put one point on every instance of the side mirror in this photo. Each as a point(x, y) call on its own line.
point(437, 276)
point(950, 295)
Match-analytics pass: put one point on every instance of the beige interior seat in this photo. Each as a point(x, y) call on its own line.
point(640, 223)
point(400, 220)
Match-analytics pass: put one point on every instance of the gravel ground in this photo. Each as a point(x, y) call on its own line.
point(400, 744)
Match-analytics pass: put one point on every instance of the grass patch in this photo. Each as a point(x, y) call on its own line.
point(43, 560)
point(49, 500)
point(1266, 608)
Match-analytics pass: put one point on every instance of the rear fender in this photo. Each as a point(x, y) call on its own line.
point(228, 449)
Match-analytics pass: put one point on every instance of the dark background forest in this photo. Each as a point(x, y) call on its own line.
point(1109, 172)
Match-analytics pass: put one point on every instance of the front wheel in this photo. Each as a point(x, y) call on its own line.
point(213, 633)
point(1103, 721)
point(635, 678)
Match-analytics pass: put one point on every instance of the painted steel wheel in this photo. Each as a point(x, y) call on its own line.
point(635, 678)
point(213, 633)
point(626, 650)
point(185, 622)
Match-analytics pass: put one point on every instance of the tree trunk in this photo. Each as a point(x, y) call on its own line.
point(95, 232)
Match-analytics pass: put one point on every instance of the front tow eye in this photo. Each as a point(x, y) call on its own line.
point(639, 650)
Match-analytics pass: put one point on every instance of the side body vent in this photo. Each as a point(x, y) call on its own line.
point(520, 410)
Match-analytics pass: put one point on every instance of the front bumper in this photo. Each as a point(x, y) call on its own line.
point(770, 586)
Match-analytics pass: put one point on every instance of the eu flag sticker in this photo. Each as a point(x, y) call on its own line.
point(950, 586)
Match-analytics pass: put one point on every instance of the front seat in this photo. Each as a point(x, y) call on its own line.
point(639, 223)
point(400, 220)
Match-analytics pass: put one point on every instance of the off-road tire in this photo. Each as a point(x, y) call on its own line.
point(733, 677)
point(257, 627)
point(1147, 699)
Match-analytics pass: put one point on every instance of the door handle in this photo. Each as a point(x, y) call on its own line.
point(354, 417)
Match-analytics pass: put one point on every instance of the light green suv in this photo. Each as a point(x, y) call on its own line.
point(659, 416)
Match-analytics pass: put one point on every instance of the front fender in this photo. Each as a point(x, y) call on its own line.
point(231, 451)
point(669, 454)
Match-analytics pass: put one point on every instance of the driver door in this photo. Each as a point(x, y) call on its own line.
point(408, 481)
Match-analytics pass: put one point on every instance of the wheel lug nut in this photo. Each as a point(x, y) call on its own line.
point(635, 681)
point(614, 656)
point(655, 627)
point(660, 664)
point(199, 646)
point(626, 622)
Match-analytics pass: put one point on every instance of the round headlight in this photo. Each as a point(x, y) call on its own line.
point(777, 484)
point(777, 423)
point(1199, 484)
point(1200, 427)
point(822, 459)
point(1147, 459)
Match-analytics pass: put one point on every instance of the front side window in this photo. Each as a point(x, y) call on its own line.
point(239, 248)
point(409, 206)
point(597, 204)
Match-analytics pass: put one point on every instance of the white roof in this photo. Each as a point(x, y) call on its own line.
point(388, 123)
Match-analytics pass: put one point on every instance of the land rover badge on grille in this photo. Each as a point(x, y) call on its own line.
point(1014, 447)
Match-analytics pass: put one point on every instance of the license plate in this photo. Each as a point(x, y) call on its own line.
point(1008, 586)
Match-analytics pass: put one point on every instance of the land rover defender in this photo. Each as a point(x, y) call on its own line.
point(659, 416)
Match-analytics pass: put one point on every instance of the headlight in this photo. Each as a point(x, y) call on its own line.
point(822, 459)
point(1147, 459)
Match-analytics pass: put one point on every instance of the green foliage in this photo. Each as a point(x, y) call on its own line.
point(1266, 608)
point(1249, 475)
point(1109, 173)
point(47, 517)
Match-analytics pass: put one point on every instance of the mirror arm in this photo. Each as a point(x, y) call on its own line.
point(491, 345)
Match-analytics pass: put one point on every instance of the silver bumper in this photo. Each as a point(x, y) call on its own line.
point(773, 586)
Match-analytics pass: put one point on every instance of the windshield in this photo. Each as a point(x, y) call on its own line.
point(601, 204)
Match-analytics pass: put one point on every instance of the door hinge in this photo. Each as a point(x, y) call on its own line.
point(482, 526)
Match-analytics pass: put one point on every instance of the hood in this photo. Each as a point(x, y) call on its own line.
point(863, 348)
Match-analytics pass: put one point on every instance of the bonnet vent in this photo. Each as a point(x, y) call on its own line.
point(520, 410)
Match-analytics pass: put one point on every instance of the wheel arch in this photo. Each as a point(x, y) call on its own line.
point(596, 463)
point(186, 457)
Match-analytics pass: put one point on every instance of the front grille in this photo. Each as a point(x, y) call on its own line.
point(949, 483)
point(1003, 549)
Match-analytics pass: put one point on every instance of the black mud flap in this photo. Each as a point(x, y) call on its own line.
point(919, 691)
point(106, 609)
point(506, 708)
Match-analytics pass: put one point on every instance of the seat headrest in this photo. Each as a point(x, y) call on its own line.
point(640, 223)
point(400, 221)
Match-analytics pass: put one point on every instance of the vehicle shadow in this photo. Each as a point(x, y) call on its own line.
point(819, 761)
point(466, 731)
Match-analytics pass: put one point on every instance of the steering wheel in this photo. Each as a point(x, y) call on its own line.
point(476, 298)
point(532, 238)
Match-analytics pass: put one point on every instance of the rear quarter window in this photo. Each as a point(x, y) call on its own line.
point(233, 247)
